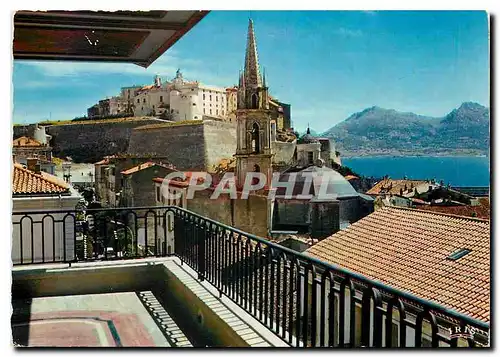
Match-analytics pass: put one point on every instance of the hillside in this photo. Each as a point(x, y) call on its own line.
point(379, 131)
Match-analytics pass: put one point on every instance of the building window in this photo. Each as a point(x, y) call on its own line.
point(255, 138)
point(255, 101)
point(310, 157)
point(158, 194)
point(194, 104)
point(222, 112)
point(161, 98)
point(216, 98)
point(203, 96)
point(217, 112)
point(144, 100)
point(153, 106)
point(210, 111)
point(210, 97)
point(138, 100)
point(195, 117)
point(203, 110)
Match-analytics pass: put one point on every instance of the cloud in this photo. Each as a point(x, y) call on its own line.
point(48, 73)
point(345, 32)
point(165, 64)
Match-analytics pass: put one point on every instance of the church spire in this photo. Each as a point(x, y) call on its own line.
point(252, 71)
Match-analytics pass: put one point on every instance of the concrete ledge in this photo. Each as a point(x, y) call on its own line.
point(235, 325)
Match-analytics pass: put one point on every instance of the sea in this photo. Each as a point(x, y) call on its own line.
point(455, 170)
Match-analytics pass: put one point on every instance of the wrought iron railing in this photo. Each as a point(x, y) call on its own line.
point(303, 300)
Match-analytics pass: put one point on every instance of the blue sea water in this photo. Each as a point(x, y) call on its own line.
point(455, 170)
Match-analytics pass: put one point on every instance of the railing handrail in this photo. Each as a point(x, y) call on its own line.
point(304, 257)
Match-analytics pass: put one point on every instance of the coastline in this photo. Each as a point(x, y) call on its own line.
point(357, 156)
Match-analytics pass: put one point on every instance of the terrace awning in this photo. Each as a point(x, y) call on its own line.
point(138, 37)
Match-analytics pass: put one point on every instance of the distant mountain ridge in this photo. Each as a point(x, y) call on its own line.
point(379, 131)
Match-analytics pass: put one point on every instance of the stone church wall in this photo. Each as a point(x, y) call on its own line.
point(247, 215)
point(283, 152)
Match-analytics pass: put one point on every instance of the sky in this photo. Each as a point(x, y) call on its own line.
point(326, 64)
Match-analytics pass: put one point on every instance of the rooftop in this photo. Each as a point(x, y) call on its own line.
point(394, 186)
point(25, 181)
point(482, 210)
point(144, 166)
point(25, 141)
point(408, 249)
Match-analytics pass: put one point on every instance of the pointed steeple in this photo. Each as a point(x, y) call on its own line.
point(308, 130)
point(252, 71)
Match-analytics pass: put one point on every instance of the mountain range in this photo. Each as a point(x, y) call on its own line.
point(379, 131)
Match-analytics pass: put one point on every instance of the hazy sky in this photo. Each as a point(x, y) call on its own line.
point(326, 64)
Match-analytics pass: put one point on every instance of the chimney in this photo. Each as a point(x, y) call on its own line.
point(32, 163)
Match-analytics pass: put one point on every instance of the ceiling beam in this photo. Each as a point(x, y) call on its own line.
point(94, 23)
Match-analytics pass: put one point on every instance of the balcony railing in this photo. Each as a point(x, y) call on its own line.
point(307, 302)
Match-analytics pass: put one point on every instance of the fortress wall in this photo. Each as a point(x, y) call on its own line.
point(181, 145)
point(196, 146)
point(91, 142)
point(220, 141)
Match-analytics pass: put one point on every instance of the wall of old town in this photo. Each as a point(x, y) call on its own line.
point(189, 146)
point(89, 142)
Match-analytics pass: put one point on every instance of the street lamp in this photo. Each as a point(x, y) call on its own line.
point(66, 167)
point(91, 175)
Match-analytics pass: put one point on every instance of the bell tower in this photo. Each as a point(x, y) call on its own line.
point(253, 118)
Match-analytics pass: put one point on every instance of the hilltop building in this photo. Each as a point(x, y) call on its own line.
point(113, 106)
point(177, 100)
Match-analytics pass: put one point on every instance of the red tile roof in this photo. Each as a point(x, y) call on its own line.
point(480, 211)
point(394, 186)
point(143, 166)
point(351, 177)
point(102, 162)
point(25, 181)
point(408, 249)
point(25, 141)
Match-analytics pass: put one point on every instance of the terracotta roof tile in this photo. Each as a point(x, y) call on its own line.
point(394, 186)
point(144, 166)
point(25, 141)
point(407, 249)
point(25, 181)
point(102, 162)
point(480, 211)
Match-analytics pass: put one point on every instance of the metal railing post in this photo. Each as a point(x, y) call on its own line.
point(201, 237)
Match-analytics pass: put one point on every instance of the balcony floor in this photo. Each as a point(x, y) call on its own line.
point(126, 319)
